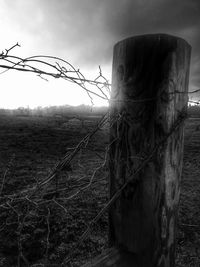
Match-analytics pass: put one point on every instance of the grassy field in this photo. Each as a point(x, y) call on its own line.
point(49, 232)
point(188, 237)
point(30, 147)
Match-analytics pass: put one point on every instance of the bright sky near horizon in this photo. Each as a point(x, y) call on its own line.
point(84, 33)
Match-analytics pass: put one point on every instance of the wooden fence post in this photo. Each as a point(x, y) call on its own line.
point(149, 98)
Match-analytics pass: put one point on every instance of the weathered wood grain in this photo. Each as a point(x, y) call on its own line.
point(149, 93)
point(150, 79)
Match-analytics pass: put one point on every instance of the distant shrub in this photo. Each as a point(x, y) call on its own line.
point(194, 111)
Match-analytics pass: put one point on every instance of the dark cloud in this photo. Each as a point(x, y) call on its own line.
point(92, 27)
point(195, 73)
point(146, 16)
point(86, 30)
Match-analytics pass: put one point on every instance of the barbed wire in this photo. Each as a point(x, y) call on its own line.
point(131, 178)
point(100, 83)
point(36, 195)
point(45, 68)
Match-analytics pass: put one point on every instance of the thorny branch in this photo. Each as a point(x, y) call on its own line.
point(50, 66)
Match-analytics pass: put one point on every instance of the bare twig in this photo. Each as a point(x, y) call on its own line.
point(48, 235)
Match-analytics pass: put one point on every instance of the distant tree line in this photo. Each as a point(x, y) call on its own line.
point(65, 110)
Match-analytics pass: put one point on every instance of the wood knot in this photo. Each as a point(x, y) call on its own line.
point(120, 73)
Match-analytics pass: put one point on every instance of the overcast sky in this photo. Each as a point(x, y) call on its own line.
point(84, 33)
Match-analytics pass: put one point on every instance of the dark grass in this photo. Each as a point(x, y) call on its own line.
point(188, 234)
point(31, 146)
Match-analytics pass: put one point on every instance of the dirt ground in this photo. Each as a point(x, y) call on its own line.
point(29, 149)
